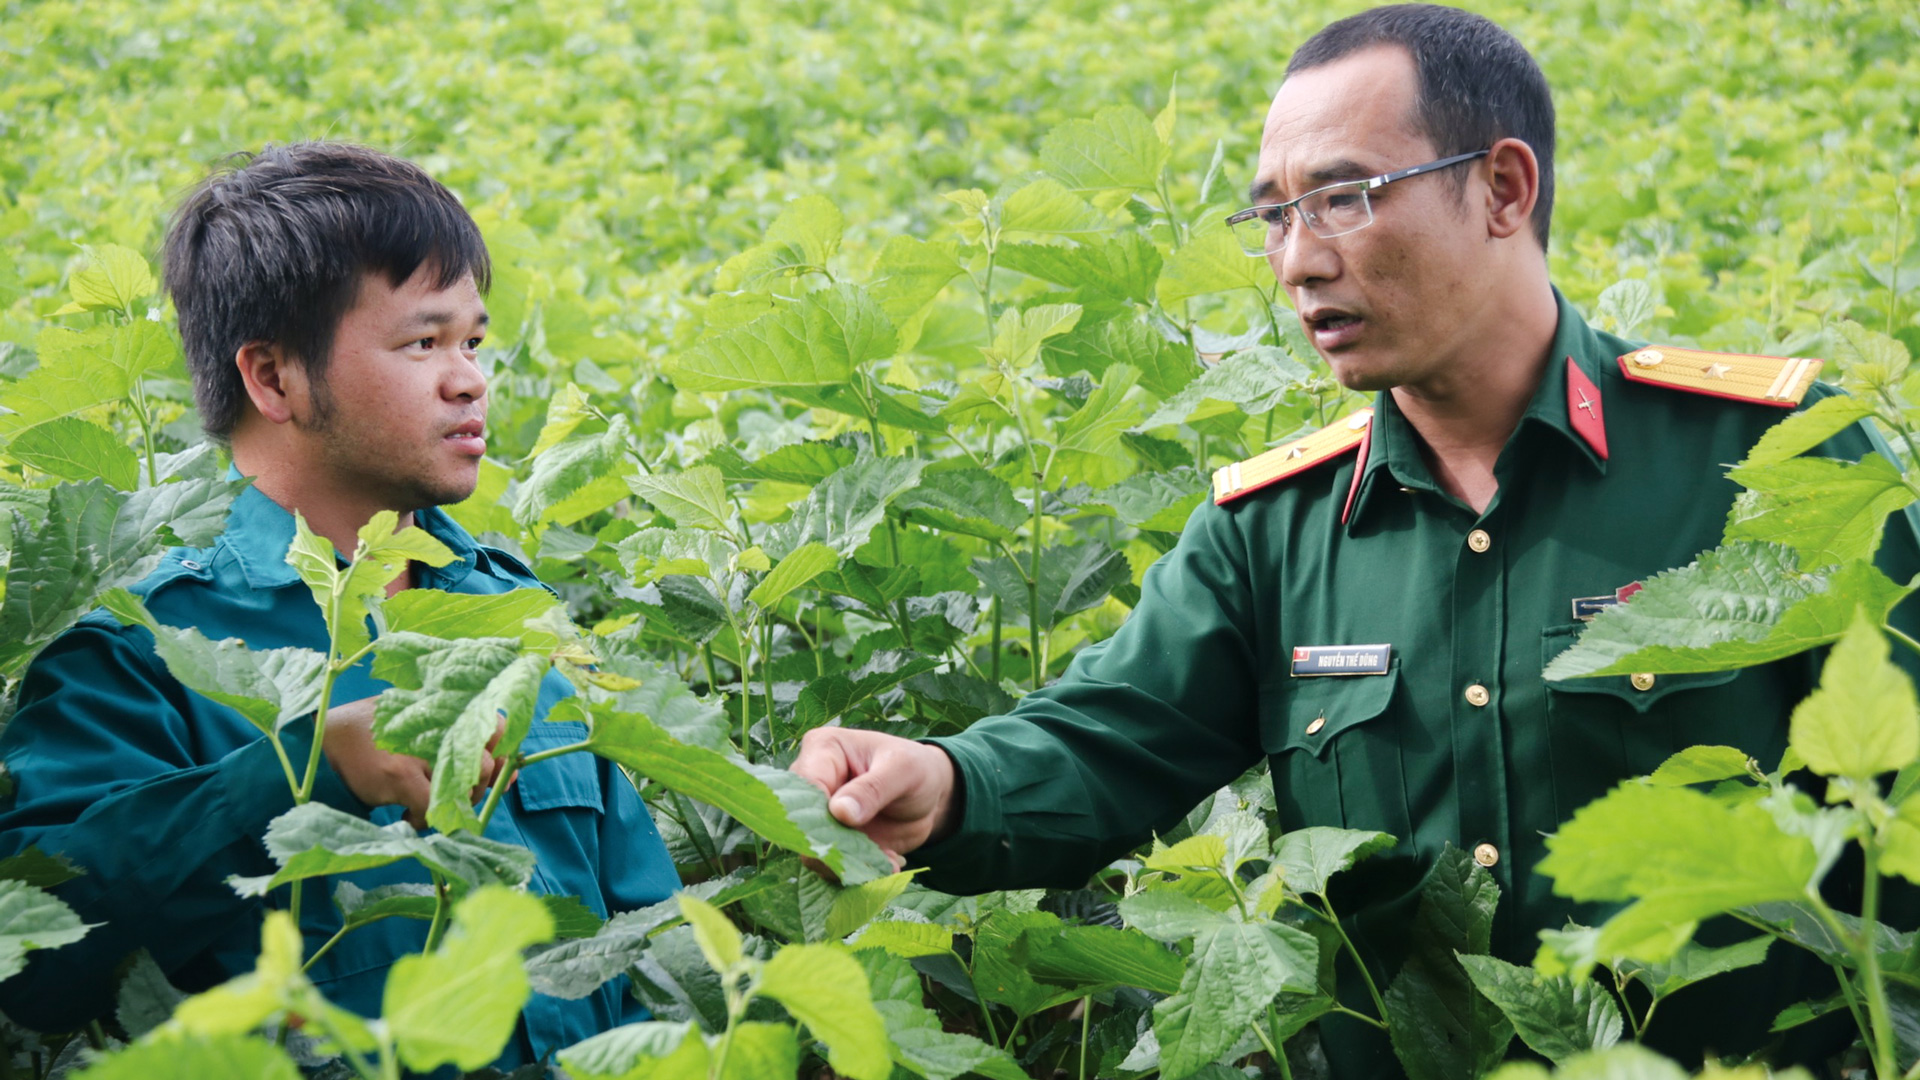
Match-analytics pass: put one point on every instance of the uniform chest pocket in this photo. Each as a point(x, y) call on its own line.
point(570, 780)
point(1640, 694)
point(1335, 760)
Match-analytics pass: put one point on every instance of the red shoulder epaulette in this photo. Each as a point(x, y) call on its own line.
point(1232, 481)
point(1763, 380)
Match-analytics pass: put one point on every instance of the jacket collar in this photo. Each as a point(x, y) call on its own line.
point(260, 531)
point(1570, 383)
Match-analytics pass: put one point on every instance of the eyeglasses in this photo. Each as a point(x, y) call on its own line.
point(1334, 210)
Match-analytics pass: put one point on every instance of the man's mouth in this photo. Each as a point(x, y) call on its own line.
point(1331, 328)
point(470, 437)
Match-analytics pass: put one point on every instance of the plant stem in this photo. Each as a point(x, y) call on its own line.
point(145, 416)
point(1902, 638)
point(1166, 204)
point(1266, 1040)
point(1373, 991)
point(442, 908)
point(1360, 1016)
point(1893, 270)
point(551, 752)
point(1086, 1027)
point(1868, 953)
point(713, 677)
point(993, 662)
point(1033, 582)
point(1626, 1010)
point(500, 781)
point(766, 674)
point(986, 292)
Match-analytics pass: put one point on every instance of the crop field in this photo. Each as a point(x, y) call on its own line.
point(850, 363)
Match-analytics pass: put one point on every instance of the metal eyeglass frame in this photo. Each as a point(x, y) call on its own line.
point(1363, 186)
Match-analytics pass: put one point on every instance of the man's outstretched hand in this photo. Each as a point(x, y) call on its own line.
point(897, 791)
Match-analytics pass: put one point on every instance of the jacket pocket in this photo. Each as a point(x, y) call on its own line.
point(1334, 760)
point(1639, 696)
point(567, 781)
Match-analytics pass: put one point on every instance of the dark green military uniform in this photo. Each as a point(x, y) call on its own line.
point(1459, 741)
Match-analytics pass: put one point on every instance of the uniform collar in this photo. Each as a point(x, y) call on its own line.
point(259, 532)
point(1573, 375)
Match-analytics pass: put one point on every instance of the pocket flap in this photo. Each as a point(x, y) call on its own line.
point(1641, 695)
point(1314, 711)
point(567, 780)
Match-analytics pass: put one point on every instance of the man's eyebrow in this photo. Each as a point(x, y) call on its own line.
point(442, 318)
point(1262, 191)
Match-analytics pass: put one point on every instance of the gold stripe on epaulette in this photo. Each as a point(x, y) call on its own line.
point(1232, 481)
point(1764, 380)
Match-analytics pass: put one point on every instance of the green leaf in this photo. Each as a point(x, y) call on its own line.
point(1804, 430)
point(1118, 148)
point(819, 340)
point(73, 449)
point(1072, 578)
point(801, 240)
point(1625, 305)
point(774, 803)
point(1018, 334)
point(93, 539)
point(458, 1005)
point(1093, 959)
point(1864, 719)
point(1558, 1017)
point(802, 463)
point(761, 1050)
point(189, 1057)
point(566, 411)
point(908, 274)
point(968, 501)
point(854, 907)
point(829, 697)
point(1168, 916)
point(1235, 970)
point(1308, 858)
point(1121, 269)
point(358, 907)
point(999, 971)
point(718, 938)
point(1253, 380)
point(799, 566)
point(1683, 855)
point(1737, 605)
point(921, 1046)
point(1442, 1028)
point(380, 555)
point(30, 919)
point(1829, 511)
point(826, 989)
point(1046, 207)
point(441, 614)
point(1089, 440)
point(1867, 358)
point(654, 1049)
point(652, 554)
point(1702, 765)
point(1164, 366)
point(315, 840)
point(115, 279)
point(1213, 263)
point(571, 465)
point(843, 510)
point(1154, 500)
point(1694, 963)
point(1901, 854)
point(39, 869)
point(270, 687)
point(1195, 853)
point(80, 369)
point(906, 939)
point(696, 497)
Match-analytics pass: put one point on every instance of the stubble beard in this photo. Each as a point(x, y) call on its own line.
point(373, 464)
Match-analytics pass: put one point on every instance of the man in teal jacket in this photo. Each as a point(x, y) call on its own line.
point(329, 300)
point(1517, 471)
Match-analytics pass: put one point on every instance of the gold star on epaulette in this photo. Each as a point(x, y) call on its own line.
point(1232, 481)
point(1764, 380)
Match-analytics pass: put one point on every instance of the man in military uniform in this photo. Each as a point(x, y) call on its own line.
point(1430, 553)
point(330, 303)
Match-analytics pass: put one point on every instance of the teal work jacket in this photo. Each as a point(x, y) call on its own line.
point(1459, 740)
point(159, 794)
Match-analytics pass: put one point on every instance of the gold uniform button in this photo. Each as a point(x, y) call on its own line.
point(1641, 680)
point(1478, 695)
point(1318, 723)
point(1486, 854)
point(1479, 541)
point(1647, 358)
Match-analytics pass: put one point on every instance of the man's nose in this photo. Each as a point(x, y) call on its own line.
point(466, 381)
point(1306, 258)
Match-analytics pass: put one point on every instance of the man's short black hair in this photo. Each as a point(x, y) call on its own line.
point(273, 247)
point(1477, 83)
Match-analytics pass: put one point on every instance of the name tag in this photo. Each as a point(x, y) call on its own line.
point(1310, 660)
point(1585, 608)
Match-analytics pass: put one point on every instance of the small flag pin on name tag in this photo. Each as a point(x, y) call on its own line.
point(1311, 660)
point(1585, 608)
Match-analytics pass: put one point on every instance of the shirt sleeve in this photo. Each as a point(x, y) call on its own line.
point(115, 767)
point(1139, 729)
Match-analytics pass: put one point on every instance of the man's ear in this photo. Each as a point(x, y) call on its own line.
point(275, 384)
point(1513, 186)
